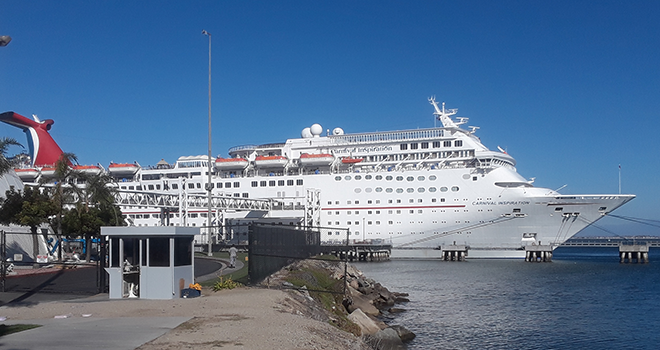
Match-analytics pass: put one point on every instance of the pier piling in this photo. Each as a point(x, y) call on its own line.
point(634, 253)
point(454, 252)
point(538, 253)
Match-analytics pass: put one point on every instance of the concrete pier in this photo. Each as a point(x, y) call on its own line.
point(634, 253)
point(360, 252)
point(538, 253)
point(454, 252)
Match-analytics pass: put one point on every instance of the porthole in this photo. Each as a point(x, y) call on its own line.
point(410, 190)
point(432, 177)
point(358, 190)
point(421, 190)
point(421, 178)
point(379, 189)
point(443, 189)
point(358, 177)
point(410, 178)
point(388, 190)
point(388, 178)
point(367, 177)
point(368, 190)
point(432, 189)
point(379, 177)
point(399, 178)
point(347, 177)
point(337, 178)
point(454, 189)
point(399, 190)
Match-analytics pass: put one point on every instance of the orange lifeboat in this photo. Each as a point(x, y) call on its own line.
point(27, 174)
point(271, 161)
point(123, 169)
point(307, 159)
point(351, 160)
point(231, 163)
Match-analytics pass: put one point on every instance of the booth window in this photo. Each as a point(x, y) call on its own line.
point(144, 252)
point(182, 251)
point(159, 251)
point(114, 259)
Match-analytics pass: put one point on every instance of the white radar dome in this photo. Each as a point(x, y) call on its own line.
point(306, 133)
point(316, 130)
point(338, 131)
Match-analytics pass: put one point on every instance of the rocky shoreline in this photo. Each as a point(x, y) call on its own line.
point(359, 312)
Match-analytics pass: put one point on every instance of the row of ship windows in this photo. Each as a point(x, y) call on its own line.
point(358, 223)
point(271, 183)
point(409, 189)
point(398, 201)
point(388, 178)
point(355, 233)
point(191, 185)
point(425, 145)
point(390, 212)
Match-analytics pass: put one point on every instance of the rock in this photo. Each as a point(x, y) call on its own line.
point(401, 300)
point(386, 339)
point(366, 324)
point(354, 284)
point(361, 302)
point(395, 310)
point(404, 334)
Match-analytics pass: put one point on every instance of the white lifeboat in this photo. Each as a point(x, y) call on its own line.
point(271, 161)
point(27, 174)
point(48, 171)
point(307, 159)
point(123, 169)
point(88, 169)
point(231, 163)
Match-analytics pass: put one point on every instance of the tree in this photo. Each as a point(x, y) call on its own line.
point(31, 207)
point(5, 163)
point(64, 191)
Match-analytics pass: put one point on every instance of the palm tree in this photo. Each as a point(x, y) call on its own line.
point(64, 191)
point(6, 164)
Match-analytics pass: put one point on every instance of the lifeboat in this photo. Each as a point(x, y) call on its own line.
point(231, 163)
point(123, 169)
point(27, 174)
point(307, 159)
point(48, 171)
point(271, 161)
point(351, 160)
point(88, 169)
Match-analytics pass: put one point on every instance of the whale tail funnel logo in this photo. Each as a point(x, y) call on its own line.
point(43, 149)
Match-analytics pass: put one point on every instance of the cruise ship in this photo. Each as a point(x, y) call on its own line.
point(416, 189)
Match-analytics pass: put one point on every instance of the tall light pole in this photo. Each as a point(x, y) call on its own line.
point(209, 185)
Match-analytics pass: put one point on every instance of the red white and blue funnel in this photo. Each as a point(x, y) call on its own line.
point(43, 149)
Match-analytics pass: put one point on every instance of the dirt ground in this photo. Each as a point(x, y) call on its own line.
point(243, 318)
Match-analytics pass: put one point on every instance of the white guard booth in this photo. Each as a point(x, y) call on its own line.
point(150, 262)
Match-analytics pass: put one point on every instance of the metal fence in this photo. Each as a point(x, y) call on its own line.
point(272, 247)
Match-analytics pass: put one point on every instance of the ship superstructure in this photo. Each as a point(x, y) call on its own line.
point(418, 189)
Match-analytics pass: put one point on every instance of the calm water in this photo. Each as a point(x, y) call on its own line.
point(584, 299)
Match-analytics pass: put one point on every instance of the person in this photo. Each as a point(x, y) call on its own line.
point(232, 256)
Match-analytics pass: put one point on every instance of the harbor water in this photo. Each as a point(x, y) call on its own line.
point(584, 299)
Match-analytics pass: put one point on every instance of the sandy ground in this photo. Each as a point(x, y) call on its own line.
point(244, 318)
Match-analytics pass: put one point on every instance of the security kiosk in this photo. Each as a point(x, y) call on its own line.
point(150, 262)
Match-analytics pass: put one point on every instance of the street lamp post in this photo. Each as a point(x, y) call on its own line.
point(209, 185)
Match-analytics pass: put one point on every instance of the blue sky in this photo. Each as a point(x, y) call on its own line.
point(570, 88)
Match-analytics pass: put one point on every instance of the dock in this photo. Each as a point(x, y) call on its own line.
point(538, 253)
point(454, 252)
point(359, 251)
point(634, 253)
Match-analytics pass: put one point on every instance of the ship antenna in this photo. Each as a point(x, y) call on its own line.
point(444, 114)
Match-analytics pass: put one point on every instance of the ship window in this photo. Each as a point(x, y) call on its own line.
point(262, 183)
point(516, 210)
point(255, 183)
point(458, 143)
point(432, 177)
point(379, 177)
point(436, 144)
point(399, 178)
point(246, 195)
point(410, 190)
point(347, 177)
point(421, 190)
point(367, 177)
point(447, 144)
point(377, 211)
point(559, 209)
point(411, 200)
point(299, 182)
point(412, 211)
point(368, 190)
point(227, 184)
point(443, 189)
point(151, 187)
point(358, 177)
point(358, 190)
point(398, 211)
point(413, 146)
point(403, 146)
point(602, 208)
point(388, 178)
point(271, 183)
point(432, 189)
point(237, 194)
point(237, 184)
point(442, 200)
point(191, 185)
point(399, 190)
point(356, 213)
point(289, 182)
point(379, 189)
point(348, 212)
point(218, 185)
point(410, 178)
point(329, 202)
point(421, 178)
point(280, 183)
point(175, 186)
point(388, 190)
point(454, 188)
point(337, 178)
point(433, 200)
